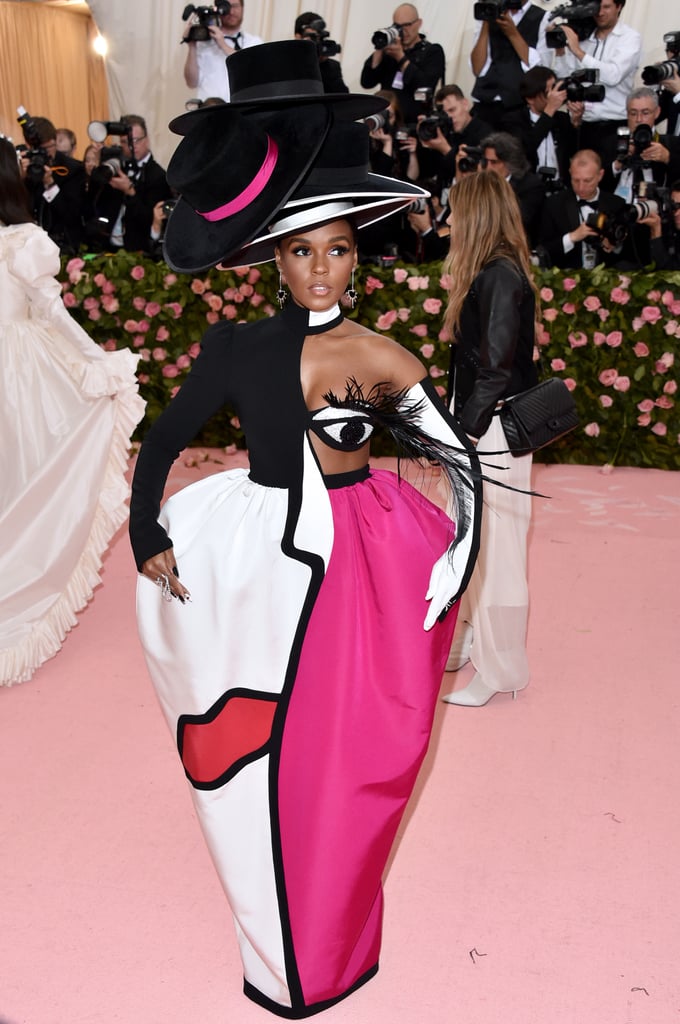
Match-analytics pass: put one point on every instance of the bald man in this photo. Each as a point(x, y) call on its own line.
point(407, 64)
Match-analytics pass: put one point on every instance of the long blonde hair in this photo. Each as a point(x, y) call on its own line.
point(486, 224)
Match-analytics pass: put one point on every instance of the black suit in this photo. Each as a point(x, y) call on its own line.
point(532, 133)
point(530, 192)
point(426, 68)
point(670, 111)
point(62, 216)
point(561, 215)
point(104, 205)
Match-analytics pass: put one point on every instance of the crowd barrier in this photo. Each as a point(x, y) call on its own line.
point(612, 337)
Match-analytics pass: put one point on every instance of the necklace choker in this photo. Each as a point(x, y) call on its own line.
point(324, 317)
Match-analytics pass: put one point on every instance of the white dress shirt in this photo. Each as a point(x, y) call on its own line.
point(212, 69)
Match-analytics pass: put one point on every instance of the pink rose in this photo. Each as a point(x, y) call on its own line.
point(603, 314)
point(145, 354)
point(173, 391)
point(138, 340)
point(229, 294)
point(646, 405)
point(591, 303)
point(229, 312)
point(420, 330)
point(592, 429)
point(436, 371)
point(197, 286)
point(241, 271)
point(371, 284)
point(108, 288)
point(578, 339)
point(671, 327)
point(660, 429)
point(139, 302)
point(664, 364)
point(137, 272)
point(619, 296)
point(143, 326)
point(569, 284)
point(183, 361)
point(664, 402)
point(162, 334)
point(235, 422)
point(130, 326)
point(403, 314)
point(614, 339)
point(542, 335)
point(95, 313)
point(444, 335)
point(571, 383)
point(76, 263)
point(607, 377)
point(99, 280)
point(385, 320)
point(557, 365)
point(445, 282)
point(110, 303)
point(194, 349)
point(400, 275)
point(427, 350)
point(75, 276)
point(159, 354)
point(599, 338)
point(143, 378)
point(214, 301)
point(152, 309)
point(170, 371)
point(109, 345)
point(651, 314)
point(175, 308)
point(535, 354)
point(238, 297)
point(670, 387)
point(569, 308)
point(70, 300)
point(547, 294)
point(550, 314)
point(654, 296)
point(638, 324)
point(606, 401)
point(169, 280)
point(644, 420)
point(432, 306)
point(256, 299)
point(254, 275)
point(212, 317)
point(442, 391)
point(417, 283)
point(640, 349)
point(246, 289)
point(667, 298)
point(622, 384)
point(675, 308)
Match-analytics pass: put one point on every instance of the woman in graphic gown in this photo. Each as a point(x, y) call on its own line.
point(301, 677)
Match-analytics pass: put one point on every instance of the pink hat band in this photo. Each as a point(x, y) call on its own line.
point(251, 191)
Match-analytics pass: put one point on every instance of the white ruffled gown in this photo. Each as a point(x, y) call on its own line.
point(67, 411)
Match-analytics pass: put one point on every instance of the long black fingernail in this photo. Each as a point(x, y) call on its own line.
point(176, 571)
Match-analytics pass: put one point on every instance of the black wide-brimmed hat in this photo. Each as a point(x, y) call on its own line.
point(274, 76)
point(233, 177)
point(339, 185)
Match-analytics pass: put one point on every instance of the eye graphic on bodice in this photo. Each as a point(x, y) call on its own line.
point(344, 429)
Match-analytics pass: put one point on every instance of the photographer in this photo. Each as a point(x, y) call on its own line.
point(644, 155)
point(669, 99)
point(311, 26)
point(392, 145)
point(407, 63)
point(613, 49)
point(664, 245)
point(504, 48)
point(504, 155)
point(121, 202)
point(55, 184)
point(543, 127)
point(567, 235)
point(204, 68)
point(457, 127)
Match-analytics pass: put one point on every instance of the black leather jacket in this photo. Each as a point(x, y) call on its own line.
point(493, 354)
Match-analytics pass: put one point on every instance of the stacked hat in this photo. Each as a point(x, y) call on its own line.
point(280, 144)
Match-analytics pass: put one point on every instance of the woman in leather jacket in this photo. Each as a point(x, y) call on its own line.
point(491, 313)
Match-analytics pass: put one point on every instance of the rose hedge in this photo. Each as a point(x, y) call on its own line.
point(613, 338)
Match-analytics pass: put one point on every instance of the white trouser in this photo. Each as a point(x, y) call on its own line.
point(496, 603)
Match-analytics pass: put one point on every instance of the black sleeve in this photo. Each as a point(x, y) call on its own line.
point(203, 393)
point(383, 73)
point(331, 76)
point(499, 295)
point(426, 68)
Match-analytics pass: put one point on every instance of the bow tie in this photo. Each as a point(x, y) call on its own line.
point(592, 203)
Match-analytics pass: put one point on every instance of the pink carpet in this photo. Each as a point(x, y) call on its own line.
point(536, 880)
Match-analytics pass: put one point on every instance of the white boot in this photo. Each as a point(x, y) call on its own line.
point(474, 695)
point(459, 654)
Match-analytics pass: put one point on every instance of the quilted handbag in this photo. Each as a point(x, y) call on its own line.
point(538, 416)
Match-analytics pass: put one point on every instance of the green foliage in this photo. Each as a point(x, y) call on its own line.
point(613, 338)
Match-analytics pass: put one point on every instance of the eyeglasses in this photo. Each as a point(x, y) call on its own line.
point(674, 207)
point(641, 113)
point(404, 24)
point(138, 138)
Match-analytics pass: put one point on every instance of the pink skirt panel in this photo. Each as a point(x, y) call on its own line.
point(358, 725)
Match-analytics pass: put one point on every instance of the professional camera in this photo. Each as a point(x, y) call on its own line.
point(551, 182)
point(472, 158)
point(318, 34)
point(639, 140)
point(579, 15)
point(205, 17)
point(374, 122)
point(98, 130)
point(38, 157)
point(428, 127)
point(649, 198)
point(111, 163)
point(655, 73)
point(491, 10)
point(582, 86)
point(385, 37)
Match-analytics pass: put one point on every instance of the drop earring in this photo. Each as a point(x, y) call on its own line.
point(351, 292)
point(281, 294)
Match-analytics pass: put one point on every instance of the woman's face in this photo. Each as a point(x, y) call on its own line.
point(91, 159)
point(316, 264)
